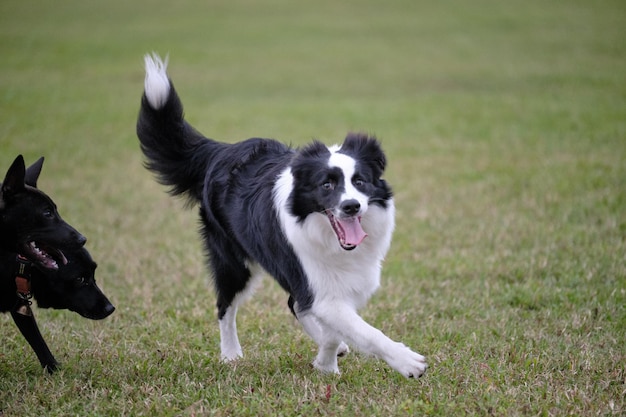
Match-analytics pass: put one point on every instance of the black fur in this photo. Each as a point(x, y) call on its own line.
point(72, 287)
point(226, 179)
point(61, 271)
point(29, 218)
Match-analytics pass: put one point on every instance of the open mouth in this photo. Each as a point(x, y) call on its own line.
point(43, 255)
point(348, 230)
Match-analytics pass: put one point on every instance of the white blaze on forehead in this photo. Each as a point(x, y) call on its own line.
point(347, 164)
point(343, 161)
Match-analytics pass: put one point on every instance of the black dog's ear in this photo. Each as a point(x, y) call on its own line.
point(14, 181)
point(32, 173)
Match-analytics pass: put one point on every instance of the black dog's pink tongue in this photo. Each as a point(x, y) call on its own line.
point(354, 233)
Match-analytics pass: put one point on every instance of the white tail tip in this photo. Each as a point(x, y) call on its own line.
point(157, 85)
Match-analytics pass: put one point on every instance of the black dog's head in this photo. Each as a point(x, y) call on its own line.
point(72, 286)
point(29, 221)
point(341, 182)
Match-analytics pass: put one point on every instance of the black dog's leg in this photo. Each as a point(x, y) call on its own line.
point(30, 331)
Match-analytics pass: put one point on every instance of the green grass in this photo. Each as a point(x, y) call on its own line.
point(505, 128)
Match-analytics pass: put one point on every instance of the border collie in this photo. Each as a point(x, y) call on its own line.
point(318, 219)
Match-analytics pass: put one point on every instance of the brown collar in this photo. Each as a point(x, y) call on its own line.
point(22, 283)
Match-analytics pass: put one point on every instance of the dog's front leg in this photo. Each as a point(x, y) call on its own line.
point(29, 329)
point(312, 327)
point(329, 344)
point(341, 322)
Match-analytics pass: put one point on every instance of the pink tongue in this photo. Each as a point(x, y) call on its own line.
point(353, 231)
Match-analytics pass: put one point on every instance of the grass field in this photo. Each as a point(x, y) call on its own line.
point(504, 125)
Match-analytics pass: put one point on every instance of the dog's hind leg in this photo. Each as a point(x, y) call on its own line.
point(229, 340)
point(233, 289)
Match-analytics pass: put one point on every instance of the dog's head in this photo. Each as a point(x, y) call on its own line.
point(72, 286)
point(29, 221)
point(342, 183)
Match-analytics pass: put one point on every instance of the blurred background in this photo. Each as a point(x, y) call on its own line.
point(504, 124)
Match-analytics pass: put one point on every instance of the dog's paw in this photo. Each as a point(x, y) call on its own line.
point(327, 368)
point(52, 366)
point(408, 363)
point(326, 361)
point(231, 356)
point(342, 350)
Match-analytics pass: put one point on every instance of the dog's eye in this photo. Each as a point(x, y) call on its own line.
point(81, 281)
point(328, 185)
point(358, 182)
point(48, 213)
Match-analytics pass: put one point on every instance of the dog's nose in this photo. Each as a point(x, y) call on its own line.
point(81, 239)
point(108, 309)
point(350, 207)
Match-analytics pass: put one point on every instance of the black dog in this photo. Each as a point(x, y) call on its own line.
point(29, 222)
point(33, 237)
point(72, 286)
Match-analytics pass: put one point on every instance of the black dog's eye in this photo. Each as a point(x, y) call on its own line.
point(48, 213)
point(81, 281)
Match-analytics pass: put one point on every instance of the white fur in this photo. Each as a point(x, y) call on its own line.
point(156, 84)
point(343, 281)
point(229, 341)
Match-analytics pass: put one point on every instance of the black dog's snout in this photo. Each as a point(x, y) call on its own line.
point(350, 207)
point(80, 239)
point(108, 309)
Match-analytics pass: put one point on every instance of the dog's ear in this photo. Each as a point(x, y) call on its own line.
point(14, 181)
point(367, 147)
point(32, 173)
point(302, 163)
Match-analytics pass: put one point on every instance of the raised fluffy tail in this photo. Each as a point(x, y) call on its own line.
point(174, 150)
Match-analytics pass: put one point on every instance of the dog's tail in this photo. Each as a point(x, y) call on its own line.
point(174, 150)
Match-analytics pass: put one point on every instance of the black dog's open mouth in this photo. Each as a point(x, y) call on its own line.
point(43, 255)
point(348, 230)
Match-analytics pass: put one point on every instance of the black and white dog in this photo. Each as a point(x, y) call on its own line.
point(318, 219)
